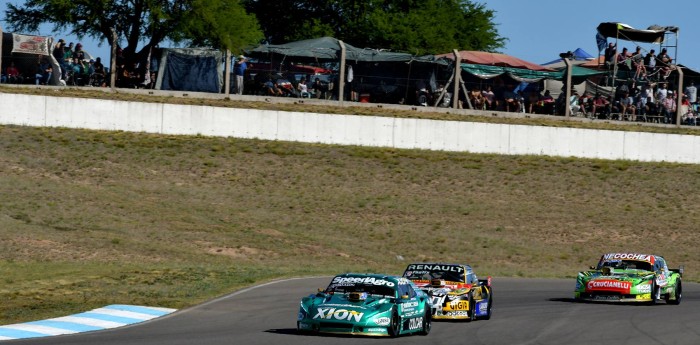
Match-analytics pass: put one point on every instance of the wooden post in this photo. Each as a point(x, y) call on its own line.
point(457, 78)
point(113, 59)
point(227, 73)
point(567, 103)
point(679, 95)
point(1, 34)
point(341, 81)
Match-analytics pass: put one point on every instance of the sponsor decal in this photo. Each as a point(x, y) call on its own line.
point(609, 285)
point(628, 256)
point(300, 316)
point(375, 330)
point(457, 313)
point(304, 326)
point(409, 304)
point(415, 323)
point(457, 305)
point(644, 296)
point(382, 321)
point(645, 288)
point(338, 314)
point(361, 280)
point(483, 307)
point(443, 268)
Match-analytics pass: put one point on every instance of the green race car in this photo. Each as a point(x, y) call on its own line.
point(630, 277)
point(366, 304)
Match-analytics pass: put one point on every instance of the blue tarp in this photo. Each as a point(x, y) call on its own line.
point(579, 54)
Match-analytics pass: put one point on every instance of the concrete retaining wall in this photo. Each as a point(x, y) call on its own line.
point(45, 111)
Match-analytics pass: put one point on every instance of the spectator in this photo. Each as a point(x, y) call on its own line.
point(668, 108)
point(692, 92)
point(688, 114)
point(79, 53)
point(547, 103)
point(319, 89)
point(574, 105)
point(272, 88)
point(490, 101)
point(623, 60)
point(665, 63)
point(586, 103)
point(610, 52)
point(44, 72)
point(661, 93)
point(99, 76)
point(58, 54)
point(627, 107)
point(68, 54)
point(650, 62)
point(650, 108)
point(12, 74)
point(303, 89)
point(477, 99)
point(152, 81)
point(533, 99)
point(511, 100)
point(239, 71)
point(601, 106)
point(638, 62)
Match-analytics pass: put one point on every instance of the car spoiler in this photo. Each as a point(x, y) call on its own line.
point(678, 270)
point(485, 282)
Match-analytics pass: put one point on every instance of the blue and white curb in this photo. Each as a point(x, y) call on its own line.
point(111, 316)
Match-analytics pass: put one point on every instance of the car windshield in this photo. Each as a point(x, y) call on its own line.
point(625, 264)
point(369, 285)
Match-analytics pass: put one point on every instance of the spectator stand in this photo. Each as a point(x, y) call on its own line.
point(26, 52)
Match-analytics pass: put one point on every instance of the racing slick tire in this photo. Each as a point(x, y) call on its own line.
point(654, 293)
point(472, 309)
point(395, 324)
point(678, 293)
point(427, 322)
point(488, 310)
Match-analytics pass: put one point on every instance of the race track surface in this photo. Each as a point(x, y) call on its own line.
point(526, 311)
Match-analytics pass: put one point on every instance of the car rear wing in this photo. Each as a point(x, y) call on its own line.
point(678, 270)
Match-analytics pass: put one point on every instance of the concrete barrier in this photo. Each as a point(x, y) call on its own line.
point(377, 131)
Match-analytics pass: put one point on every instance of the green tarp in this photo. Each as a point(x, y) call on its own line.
point(526, 75)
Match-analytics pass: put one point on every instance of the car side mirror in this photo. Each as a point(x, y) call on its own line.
point(404, 297)
point(592, 267)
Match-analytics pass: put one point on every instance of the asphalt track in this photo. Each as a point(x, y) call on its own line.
point(526, 311)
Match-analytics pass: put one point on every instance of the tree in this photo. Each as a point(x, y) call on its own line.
point(216, 23)
point(414, 26)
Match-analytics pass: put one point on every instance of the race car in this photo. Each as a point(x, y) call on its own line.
point(366, 304)
point(454, 290)
point(630, 277)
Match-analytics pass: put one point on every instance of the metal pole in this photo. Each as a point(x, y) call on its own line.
point(457, 78)
point(341, 81)
point(227, 73)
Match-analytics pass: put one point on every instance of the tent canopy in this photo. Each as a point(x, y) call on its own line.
point(495, 59)
point(526, 75)
point(327, 49)
point(654, 34)
point(579, 55)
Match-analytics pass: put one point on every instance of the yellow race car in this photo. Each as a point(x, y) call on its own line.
point(454, 290)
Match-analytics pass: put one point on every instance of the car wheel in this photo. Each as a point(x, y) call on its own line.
point(427, 321)
point(654, 293)
point(472, 308)
point(395, 324)
point(488, 310)
point(678, 293)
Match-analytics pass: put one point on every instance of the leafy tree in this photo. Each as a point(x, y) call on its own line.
point(217, 23)
point(415, 26)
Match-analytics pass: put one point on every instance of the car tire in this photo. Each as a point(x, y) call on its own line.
point(488, 309)
point(394, 324)
point(654, 293)
point(472, 308)
point(678, 293)
point(427, 321)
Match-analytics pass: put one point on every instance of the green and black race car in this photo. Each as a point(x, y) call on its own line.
point(366, 304)
point(630, 277)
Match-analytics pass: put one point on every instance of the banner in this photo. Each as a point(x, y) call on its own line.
point(30, 44)
point(601, 42)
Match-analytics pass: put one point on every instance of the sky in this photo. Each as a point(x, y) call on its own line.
point(538, 30)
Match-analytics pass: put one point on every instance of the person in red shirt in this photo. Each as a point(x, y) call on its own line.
point(13, 75)
point(600, 104)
